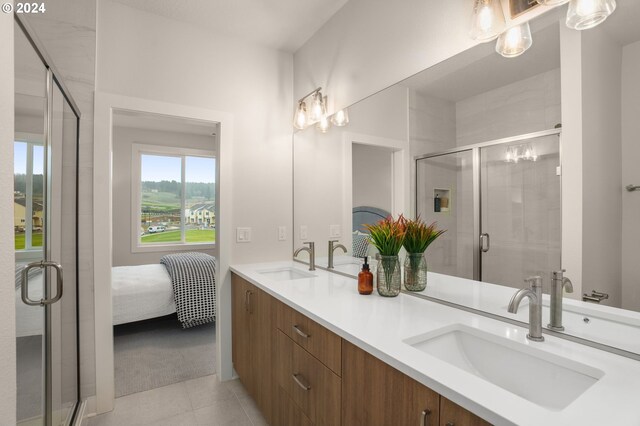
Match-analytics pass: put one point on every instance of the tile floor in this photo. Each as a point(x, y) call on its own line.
point(202, 401)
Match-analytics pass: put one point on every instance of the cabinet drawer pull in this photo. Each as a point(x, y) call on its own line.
point(249, 294)
point(425, 417)
point(301, 381)
point(246, 300)
point(300, 332)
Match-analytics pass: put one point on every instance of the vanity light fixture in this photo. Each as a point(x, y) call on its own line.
point(302, 118)
point(487, 20)
point(515, 41)
point(585, 14)
point(340, 118)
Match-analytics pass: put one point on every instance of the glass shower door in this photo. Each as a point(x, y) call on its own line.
point(29, 228)
point(520, 210)
point(45, 215)
point(444, 194)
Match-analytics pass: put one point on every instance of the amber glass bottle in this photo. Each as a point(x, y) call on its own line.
point(365, 279)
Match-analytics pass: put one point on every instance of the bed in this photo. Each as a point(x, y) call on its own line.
point(361, 216)
point(183, 283)
point(141, 292)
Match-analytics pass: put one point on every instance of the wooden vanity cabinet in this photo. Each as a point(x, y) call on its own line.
point(252, 328)
point(301, 374)
point(375, 393)
point(451, 414)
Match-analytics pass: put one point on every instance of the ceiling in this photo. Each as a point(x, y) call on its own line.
point(279, 24)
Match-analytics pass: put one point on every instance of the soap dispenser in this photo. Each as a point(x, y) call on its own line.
point(365, 279)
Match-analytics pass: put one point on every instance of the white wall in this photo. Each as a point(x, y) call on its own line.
point(123, 138)
point(151, 57)
point(7, 277)
point(372, 177)
point(602, 162)
point(630, 175)
point(526, 106)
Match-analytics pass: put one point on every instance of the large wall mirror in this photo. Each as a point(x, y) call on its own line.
point(529, 163)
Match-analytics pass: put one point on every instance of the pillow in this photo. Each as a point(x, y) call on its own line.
point(360, 244)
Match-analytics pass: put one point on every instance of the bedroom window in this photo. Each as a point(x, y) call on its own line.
point(174, 194)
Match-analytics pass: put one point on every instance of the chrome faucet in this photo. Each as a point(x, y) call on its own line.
point(558, 284)
point(332, 247)
point(534, 293)
point(312, 254)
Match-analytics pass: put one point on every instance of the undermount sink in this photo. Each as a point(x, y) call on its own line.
point(285, 273)
point(545, 379)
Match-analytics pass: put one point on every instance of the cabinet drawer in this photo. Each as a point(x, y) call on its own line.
point(317, 340)
point(287, 413)
point(314, 388)
point(451, 414)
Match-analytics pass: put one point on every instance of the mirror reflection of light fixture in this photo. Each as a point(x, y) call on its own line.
point(323, 124)
point(301, 119)
point(515, 41)
point(515, 154)
point(487, 20)
point(585, 14)
point(340, 118)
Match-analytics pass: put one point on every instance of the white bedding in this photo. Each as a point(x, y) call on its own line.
point(141, 292)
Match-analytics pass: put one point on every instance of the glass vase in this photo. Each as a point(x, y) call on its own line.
point(388, 276)
point(415, 272)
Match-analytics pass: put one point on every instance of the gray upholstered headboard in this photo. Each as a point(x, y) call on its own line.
point(364, 215)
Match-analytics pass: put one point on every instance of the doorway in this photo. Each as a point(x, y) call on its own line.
point(164, 175)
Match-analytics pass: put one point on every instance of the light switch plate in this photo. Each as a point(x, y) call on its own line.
point(304, 232)
point(282, 233)
point(334, 231)
point(243, 235)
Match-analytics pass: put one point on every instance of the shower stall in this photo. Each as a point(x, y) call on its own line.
point(500, 202)
point(45, 232)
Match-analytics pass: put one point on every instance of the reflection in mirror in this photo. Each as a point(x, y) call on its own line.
point(524, 161)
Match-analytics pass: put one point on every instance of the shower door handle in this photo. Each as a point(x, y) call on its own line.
point(485, 242)
point(25, 283)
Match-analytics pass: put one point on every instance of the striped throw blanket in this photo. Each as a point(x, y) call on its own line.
point(194, 286)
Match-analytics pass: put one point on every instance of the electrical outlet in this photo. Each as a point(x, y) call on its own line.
point(334, 231)
point(243, 235)
point(282, 233)
point(304, 232)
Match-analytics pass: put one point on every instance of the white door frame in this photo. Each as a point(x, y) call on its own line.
point(105, 104)
point(401, 202)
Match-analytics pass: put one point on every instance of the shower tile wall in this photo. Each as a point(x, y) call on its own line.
point(530, 105)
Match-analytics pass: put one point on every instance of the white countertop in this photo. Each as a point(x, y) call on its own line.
point(379, 326)
point(607, 325)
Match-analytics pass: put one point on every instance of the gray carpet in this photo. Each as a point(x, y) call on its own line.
point(158, 352)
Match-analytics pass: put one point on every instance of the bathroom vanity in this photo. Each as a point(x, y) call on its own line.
point(311, 350)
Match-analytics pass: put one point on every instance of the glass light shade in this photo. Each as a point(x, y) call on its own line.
point(487, 20)
point(552, 2)
point(324, 124)
point(515, 41)
point(340, 118)
point(317, 108)
point(585, 14)
point(300, 116)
